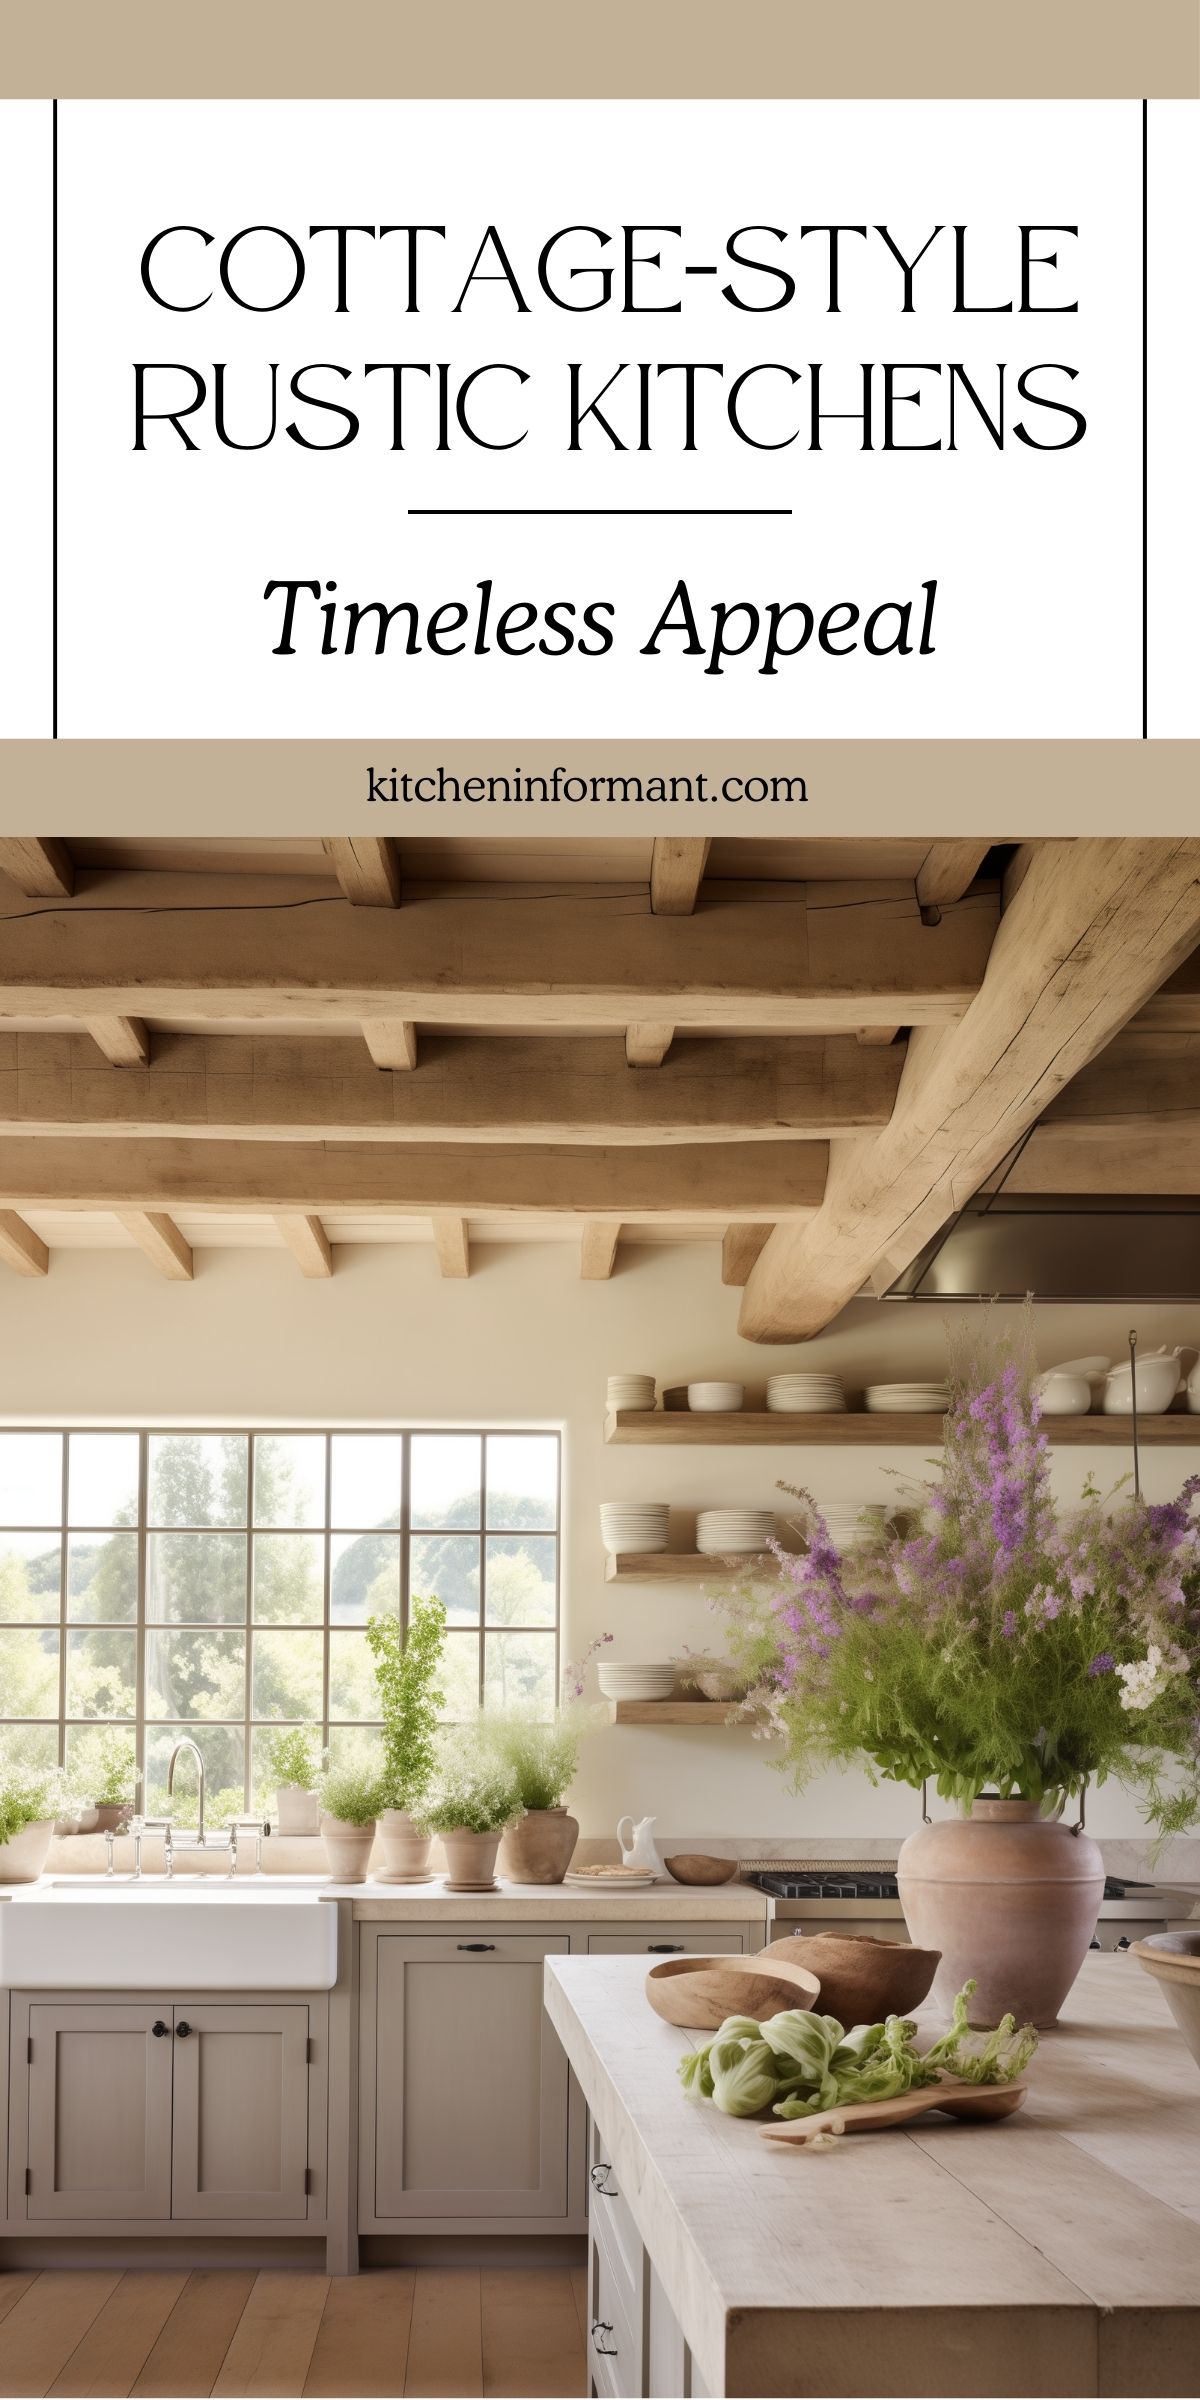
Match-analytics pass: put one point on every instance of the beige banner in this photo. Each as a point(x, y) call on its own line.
point(818, 790)
point(630, 49)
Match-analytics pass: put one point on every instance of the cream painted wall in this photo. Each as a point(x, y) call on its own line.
point(524, 1341)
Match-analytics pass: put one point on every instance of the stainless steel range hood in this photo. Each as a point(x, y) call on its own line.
point(1004, 1245)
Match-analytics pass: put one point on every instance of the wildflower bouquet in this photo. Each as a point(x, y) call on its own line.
point(1005, 1642)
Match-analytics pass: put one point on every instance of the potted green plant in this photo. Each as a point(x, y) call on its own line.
point(31, 1797)
point(106, 1773)
point(1009, 1650)
point(406, 1670)
point(351, 1799)
point(293, 1766)
point(539, 1760)
point(474, 1799)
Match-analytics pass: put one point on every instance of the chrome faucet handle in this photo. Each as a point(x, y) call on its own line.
point(110, 1840)
point(233, 1847)
point(136, 1828)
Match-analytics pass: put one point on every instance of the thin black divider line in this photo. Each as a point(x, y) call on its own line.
point(1145, 427)
point(54, 420)
point(600, 512)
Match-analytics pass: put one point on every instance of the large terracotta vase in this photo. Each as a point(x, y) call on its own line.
point(406, 1847)
point(347, 1848)
point(538, 1848)
point(1007, 1896)
point(470, 1858)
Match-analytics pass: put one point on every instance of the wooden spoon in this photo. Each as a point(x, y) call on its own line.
point(862, 2116)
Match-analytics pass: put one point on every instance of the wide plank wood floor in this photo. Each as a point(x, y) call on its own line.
point(458, 2333)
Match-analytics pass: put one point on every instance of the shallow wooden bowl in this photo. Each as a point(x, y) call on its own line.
point(701, 1992)
point(861, 1979)
point(693, 1867)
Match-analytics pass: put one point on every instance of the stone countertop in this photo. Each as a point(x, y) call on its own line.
point(1056, 2252)
point(663, 1904)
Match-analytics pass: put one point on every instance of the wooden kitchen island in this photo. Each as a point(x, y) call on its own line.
point(1056, 2253)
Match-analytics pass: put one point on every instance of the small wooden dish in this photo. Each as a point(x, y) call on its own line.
point(699, 1993)
point(958, 2099)
point(689, 1866)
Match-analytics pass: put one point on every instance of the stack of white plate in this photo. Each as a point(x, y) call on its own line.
point(805, 1395)
point(714, 1396)
point(631, 1391)
point(908, 1399)
point(632, 1525)
point(848, 1524)
point(608, 1879)
point(634, 1679)
point(720, 1531)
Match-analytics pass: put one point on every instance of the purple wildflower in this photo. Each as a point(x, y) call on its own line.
point(1102, 1664)
point(1008, 1624)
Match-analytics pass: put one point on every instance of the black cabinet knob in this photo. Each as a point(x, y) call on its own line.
point(664, 1946)
point(476, 1945)
point(158, 2029)
point(183, 2029)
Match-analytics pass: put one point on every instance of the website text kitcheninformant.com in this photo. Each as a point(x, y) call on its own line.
point(439, 787)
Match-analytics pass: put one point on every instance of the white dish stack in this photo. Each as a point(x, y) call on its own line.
point(712, 1397)
point(805, 1395)
point(631, 1391)
point(908, 1399)
point(634, 1679)
point(847, 1525)
point(630, 1526)
point(726, 1532)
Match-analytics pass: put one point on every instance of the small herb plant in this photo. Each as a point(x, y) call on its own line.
point(475, 1792)
point(406, 1668)
point(354, 1795)
point(29, 1794)
point(539, 1758)
point(293, 1759)
point(106, 1768)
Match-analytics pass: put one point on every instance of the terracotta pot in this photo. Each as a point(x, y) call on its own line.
point(296, 1810)
point(1174, 1961)
point(406, 1847)
point(347, 1848)
point(1008, 1897)
point(539, 1846)
point(22, 1859)
point(861, 1979)
point(470, 1857)
point(111, 1816)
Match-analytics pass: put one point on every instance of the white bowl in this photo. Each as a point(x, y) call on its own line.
point(704, 1396)
point(1157, 1384)
point(1065, 1395)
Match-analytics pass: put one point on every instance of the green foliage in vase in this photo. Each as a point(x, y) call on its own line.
point(354, 1794)
point(30, 1792)
point(539, 1758)
point(475, 1791)
point(406, 1670)
point(1008, 1642)
point(293, 1758)
point(104, 1766)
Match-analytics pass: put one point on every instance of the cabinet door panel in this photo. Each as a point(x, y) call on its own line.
point(241, 2112)
point(99, 2112)
point(471, 2084)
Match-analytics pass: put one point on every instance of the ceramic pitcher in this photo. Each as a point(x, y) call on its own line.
point(637, 1844)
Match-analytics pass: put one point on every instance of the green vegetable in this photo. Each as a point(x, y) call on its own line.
point(798, 2063)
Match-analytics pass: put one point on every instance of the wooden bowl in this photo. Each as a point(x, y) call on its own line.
point(689, 1866)
point(861, 1979)
point(1174, 1961)
point(701, 1992)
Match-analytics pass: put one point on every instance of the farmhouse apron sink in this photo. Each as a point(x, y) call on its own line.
point(198, 1935)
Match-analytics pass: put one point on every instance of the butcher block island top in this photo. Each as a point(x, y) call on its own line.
point(1058, 2252)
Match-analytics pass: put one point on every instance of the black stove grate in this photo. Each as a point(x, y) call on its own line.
point(852, 1881)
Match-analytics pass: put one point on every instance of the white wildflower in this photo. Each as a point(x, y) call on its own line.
point(1145, 1679)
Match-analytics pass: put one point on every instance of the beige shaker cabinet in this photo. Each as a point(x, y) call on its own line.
point(99, 2097)
point(240, 2142)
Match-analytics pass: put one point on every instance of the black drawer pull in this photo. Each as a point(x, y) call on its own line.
point(664, 1945)
point(183, 2029)
point(601, 2325)
point(158, 2029)
point(476, 1945)
point(607, 2191)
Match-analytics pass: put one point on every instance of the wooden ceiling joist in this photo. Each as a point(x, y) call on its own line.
point(647, 1045)
point(368, 872)
point(1145, 1082)
point(948, 870)
point(20, 1247)
point(598, 1245)
point(309, 1244)
point(676, 874)
point(823, 958)
point(452, 1243)
point(391, 1043)
point(42, 869)
point(741, 1245)
point(687, 1184)
point(1094, 929)
point(124, 1041)
point(159, 1236)
point(469, 1089)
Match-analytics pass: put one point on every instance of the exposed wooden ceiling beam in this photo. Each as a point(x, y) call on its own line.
point(392, 1044)
point(598, 1248)
point(1175, 1006)
point(825, 958)
point(948, 870)
point(20, 1247)
point(1144, 1080)
point(676, 873)
point(309, 1244)
point(1093, 930)
point(453, 1247)
point(647, 1045)
point(688, 1184)
point(741, 1245)
point(367, 871)
point(159, 1236)
point(124, 1041)
point(877, 1037)
point(41, 868)
point(1147, 1158)
point(534, 1088)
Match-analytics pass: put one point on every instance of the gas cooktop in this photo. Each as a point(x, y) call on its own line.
point(854, 1883)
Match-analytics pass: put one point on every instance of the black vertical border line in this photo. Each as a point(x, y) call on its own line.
point(54, 420)
point(1145, 427)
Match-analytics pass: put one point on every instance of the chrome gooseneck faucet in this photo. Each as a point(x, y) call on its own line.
point(198, 1844)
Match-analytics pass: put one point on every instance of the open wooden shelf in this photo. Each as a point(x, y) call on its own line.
point(670, 1712)
point(674, 1566)
point(854, 1428)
